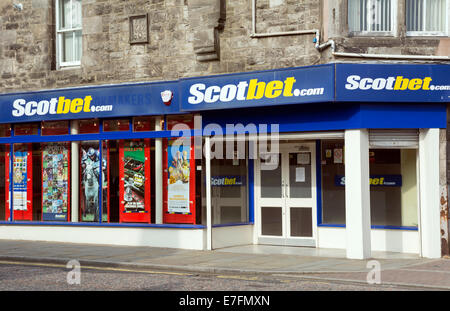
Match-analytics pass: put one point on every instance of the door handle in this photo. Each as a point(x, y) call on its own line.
point(282, 189)
point(286, 194)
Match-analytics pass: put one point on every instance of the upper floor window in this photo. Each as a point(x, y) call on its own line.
point(68, 32)
point(427, 17)
point(371, 16)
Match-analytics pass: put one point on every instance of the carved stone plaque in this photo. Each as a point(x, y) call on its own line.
point(139, 29)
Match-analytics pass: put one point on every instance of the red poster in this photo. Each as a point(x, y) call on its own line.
point(134, 187)
point(179, 172)
point(22, 182)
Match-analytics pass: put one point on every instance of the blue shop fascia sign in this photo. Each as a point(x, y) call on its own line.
point(392, 83)
point(302, 85)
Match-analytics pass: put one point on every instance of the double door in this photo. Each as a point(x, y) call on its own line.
point(286, 205)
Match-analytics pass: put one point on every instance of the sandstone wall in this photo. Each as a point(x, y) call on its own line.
point(179, 31)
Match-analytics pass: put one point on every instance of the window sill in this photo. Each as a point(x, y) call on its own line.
point(92, 224)
point(374, 227)
point(426, 34)
point(362, 34)
point(69, 67)
point(232, 224)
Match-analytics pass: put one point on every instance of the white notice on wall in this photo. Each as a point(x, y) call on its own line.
point(300, 174)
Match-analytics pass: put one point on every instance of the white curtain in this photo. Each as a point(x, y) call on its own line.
point(68, 52)
point(369, 15)
point(76, 13)
point(65, 14)
point(426, 15)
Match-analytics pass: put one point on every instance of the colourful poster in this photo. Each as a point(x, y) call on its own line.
point(90, 183)
point(178, 174)
point(134, 176)
point(55, 182)
point(20, 181)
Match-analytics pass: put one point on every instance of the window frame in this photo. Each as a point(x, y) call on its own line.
point(58, 36)
point(444, 33)
point(366, 33)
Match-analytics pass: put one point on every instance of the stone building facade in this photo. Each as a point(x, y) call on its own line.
point(186, 38)
point(191, 38)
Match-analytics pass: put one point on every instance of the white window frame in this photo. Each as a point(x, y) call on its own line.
point(392, 32)
point(444, 33)
point(59, 40)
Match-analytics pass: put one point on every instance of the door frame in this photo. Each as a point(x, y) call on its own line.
point(285, 239)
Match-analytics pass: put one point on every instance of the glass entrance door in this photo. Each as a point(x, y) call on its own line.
point(287, 196)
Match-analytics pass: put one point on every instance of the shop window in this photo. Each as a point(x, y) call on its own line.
point(88, 126)
point(179, 181)
point(370, 16)
point(21, 182)
point(127, 195)
point(393, 187)
point(40, 182)
point(427, 17)
point(54, 128)
point(3, 179)
point(116, 125)
point(333, 192)
point(26, 129)
point(180, 203)
point(55, 187)
point(229, 190)
point(5, 130)
point(145, 124)
point(90, 170)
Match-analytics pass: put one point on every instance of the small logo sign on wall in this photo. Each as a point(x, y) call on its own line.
point(166, 97)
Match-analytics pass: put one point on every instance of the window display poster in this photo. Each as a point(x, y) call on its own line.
point(178, 174)
point(338, 156)
point(20, 181)
point(89, 181)
point(134, 176)
point(55, 182)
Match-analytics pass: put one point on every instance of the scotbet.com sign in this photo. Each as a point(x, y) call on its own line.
point(87, 102)
point(267, 88)
point(392, 83)
point(302, 85)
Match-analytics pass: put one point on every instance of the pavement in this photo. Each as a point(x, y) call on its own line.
point(294, 262)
